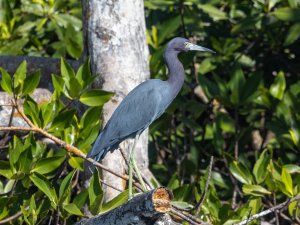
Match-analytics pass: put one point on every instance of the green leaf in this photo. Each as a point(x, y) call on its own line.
point(20, 74)
point(5, 169)
point(95, 193)
point(76, 163)
point(31, 110)
point(95, 188)
point(80, 199)
point(236, 85)
point(250, 88)
point(84, 75)
point(240, 172)
point(90, 117)
point(288, 182)
point(255, 190)
point(67, 72)
point(48, 165)
point(260, 167)
point(248, 23)
point(95, 97)
point(293, 34)
point(45, 186)
point(117, 201)
point(31, 82)
point(75, 88)
point(6, 83)
point(278, 87)
point(58, 83)
point(209, 87)
point(213, 12)
point(48, 112)
point(182, 205)
point(65, 187)
point(16, 151)
point(63, 120)
point(291, 168)
point(72, 209)
point(287, 14)
point(25, 161)
point(168, 28)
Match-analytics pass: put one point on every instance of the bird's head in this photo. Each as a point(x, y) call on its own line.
point(184, 45)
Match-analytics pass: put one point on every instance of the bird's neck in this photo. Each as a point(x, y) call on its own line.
point(176, 71)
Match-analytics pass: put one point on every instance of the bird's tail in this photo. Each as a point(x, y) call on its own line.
point(98, 150)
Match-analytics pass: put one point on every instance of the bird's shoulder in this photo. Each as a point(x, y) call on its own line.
point(148, 87)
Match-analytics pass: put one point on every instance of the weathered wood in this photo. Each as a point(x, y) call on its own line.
point(115, 35)
point(144, 209)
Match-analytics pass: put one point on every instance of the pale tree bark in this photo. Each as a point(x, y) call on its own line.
point(115, 36)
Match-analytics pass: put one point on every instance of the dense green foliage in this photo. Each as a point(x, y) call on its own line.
point(241, 105)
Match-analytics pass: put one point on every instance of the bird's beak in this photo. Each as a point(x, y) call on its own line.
point(192, 47)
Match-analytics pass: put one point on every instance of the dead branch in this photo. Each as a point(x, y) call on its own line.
point(146, 208)
point(270, 210)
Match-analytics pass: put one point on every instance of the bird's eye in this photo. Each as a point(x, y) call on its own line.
point(187, 45)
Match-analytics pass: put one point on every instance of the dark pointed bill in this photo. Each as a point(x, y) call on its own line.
point(193, 47)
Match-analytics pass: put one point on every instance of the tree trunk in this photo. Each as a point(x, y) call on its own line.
point(115, 36)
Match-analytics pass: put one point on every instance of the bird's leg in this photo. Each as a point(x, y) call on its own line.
point(133, 165)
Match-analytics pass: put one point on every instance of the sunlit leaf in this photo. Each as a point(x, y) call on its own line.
point(278, 87)
point(255, 190)
point(45, 186)
point(6, 82)
point(95, 97)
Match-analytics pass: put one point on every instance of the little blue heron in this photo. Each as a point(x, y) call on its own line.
point(145, 103)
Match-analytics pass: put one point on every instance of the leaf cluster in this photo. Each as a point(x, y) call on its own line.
point(40, 179)
point(240, 105)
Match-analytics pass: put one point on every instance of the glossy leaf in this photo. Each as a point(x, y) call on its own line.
point(66, 186)
point(5, 169)
point(114, 203)
point(72, 209)
point(287, 14)
point(6, 82)
point(260, 167)
point(293, 34)
point(213, 12)
point(288, 182)
point(45, 186)
point(31, 82)
point(255, 190)
point(278, 87)
point(20, 74)
point(95, 193)
point(48, 165)
point(240, 172)
point(62, 120)
point(95, 97)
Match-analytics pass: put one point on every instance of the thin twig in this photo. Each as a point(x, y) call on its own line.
point(270, 210)
point(197, 207)
point(13, 217)
point(64, 145)
point(189, 218)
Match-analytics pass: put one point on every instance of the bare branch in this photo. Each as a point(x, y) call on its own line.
point(270, 210)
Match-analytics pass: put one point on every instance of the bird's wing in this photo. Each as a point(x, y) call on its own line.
point(134, 114)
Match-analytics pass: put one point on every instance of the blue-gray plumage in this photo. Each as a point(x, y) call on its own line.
point(145, 103)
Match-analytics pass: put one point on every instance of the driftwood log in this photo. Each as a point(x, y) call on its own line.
point(144, 209)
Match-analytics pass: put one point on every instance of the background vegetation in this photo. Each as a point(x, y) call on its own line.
point(241, 106)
